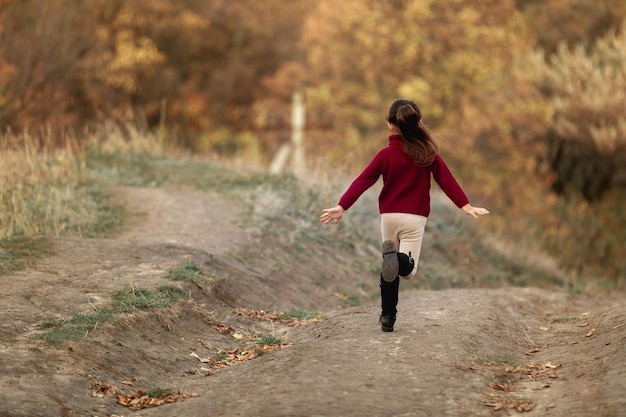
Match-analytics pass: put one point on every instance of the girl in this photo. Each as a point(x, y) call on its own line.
point(406, 166)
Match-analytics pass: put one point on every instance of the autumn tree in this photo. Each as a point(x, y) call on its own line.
point(68, 62)
point(448, 56)
point(187, 65)
point(37, 61)
point(586, 142)
point(572, 22)
point(565, 153)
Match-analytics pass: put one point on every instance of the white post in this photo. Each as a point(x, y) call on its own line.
point(280, 158)
point(297, 134)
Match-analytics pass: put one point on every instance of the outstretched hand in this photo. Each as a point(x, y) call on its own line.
point(332, 214)
point(474, 211)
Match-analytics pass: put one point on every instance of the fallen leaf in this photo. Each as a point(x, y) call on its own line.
point(513, 404)
point(550, 366)
point(501, 387)
point(497, 403)
point(524, 406)
point(141, 400)
point(99, 388)
point(203, 360)
point(222, 328)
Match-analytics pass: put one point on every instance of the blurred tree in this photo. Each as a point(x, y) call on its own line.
point(355, 60)
point(36, 58)
point(113, 71)
point(215, 53)
point(571, 21)
point(563, 130)
point(513, 121)
point(472, 68)
point(189, 64)
point(586, 142)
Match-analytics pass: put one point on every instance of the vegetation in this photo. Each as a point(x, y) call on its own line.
point(527, 97)
point(268, 340)
point(300, 315)
point(189, 272)
point(18, 253)
point(497, 360)
point(266, 198)
point(126, 300)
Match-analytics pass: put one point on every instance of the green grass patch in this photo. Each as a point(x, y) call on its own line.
point(189, 272)
point(268, 340)
point(351, 300)
point(300, 315)
point(145, 170)
point(18, 253)
point(124, 301)
point(131, 299)
point(158, 392)
point(107, 218)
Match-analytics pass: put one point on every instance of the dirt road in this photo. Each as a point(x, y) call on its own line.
point(464, 352)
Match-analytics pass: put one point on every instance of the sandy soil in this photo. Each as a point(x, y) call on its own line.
point(464, 352)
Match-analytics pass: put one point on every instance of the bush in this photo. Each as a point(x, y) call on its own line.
point(587, 139)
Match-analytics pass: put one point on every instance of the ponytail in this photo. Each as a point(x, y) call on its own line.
point(418, 141)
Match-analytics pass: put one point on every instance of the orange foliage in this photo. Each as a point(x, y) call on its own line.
point(202, 68)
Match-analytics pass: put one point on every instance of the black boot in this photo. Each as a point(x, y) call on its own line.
point(405, 264)
point(389, 301)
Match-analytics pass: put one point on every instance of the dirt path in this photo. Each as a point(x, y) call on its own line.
point(453, 353)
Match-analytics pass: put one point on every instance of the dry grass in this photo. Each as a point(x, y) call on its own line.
point(50, 191)
point(35, 182)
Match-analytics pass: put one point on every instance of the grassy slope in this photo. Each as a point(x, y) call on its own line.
point(285, 211)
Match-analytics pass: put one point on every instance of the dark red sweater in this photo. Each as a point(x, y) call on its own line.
point(406, 187)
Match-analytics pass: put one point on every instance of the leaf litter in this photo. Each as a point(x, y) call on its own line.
point(140, 399)
point(533, 371)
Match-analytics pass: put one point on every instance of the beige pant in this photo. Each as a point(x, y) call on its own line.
point(406, 231)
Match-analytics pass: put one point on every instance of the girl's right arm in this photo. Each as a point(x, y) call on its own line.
point(368, 177)
point(330, 214)
point(365, 180)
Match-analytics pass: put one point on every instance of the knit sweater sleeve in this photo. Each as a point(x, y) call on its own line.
point(443, 176)
point(363, 182)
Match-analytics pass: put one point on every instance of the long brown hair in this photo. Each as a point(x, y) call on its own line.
point(418, 141)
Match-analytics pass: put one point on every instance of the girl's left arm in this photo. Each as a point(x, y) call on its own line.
point(453, 190)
